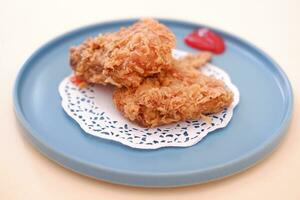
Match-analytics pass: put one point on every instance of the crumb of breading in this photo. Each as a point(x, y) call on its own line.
point(196, 60)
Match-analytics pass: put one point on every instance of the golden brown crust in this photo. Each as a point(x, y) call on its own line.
point(181, 93)
point(126, 57)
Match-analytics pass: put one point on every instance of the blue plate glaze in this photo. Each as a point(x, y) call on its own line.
point(258, 124)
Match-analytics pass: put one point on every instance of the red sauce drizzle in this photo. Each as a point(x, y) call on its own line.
point(205, 39)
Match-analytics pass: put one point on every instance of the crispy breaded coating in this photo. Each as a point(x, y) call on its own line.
point(181, 93)
point(196, 60)
point(153, 88)
point(126, 57)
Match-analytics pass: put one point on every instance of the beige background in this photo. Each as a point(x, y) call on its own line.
point(26, 174)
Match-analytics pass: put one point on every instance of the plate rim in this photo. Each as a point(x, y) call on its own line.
point(253, 156)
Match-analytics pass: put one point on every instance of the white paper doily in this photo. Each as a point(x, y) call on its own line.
point(93, 109)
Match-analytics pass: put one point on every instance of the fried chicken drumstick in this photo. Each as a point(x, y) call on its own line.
point(181, 93)
point(126, 57)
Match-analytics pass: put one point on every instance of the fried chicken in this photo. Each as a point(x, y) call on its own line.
point(153, 88)
point(126, 57)
point(177, 94)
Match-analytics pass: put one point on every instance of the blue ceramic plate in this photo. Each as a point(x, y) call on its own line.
point(258, 123)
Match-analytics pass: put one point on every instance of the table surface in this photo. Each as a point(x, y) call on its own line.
point(25, 25)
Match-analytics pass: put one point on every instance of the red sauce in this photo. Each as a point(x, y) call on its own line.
point(205, 39)
point(77, 80)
